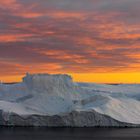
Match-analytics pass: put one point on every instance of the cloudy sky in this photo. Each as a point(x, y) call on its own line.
point(69, 36)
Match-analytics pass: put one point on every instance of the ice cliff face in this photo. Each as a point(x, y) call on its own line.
point(55, 100)
point(54, 85)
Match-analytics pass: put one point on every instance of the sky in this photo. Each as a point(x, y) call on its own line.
point(93, 40)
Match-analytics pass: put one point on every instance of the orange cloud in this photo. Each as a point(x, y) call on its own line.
point(64, 14)
point(10, 4)
point(14, 37)
point(30, 15)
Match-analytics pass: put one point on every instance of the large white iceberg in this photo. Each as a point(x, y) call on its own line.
point(55, 100)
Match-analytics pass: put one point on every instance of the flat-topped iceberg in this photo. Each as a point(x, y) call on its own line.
point(55, 100)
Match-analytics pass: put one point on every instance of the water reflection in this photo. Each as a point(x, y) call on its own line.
point(19, 133)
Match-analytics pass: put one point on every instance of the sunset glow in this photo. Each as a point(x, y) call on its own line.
point(92, 40)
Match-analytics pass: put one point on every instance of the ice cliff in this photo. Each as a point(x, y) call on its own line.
point(55, 100)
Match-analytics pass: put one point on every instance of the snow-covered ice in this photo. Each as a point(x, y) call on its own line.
point(49, 95)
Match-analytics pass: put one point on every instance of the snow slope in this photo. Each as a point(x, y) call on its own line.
point(49, 95)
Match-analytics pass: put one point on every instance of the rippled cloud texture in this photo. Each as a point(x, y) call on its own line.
point(69, 36)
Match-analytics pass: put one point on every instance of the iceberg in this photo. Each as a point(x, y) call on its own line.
point(57, 101)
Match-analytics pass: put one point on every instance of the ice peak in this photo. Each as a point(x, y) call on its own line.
point(42, 82)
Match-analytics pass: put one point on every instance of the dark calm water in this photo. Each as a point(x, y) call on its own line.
point(69, 134)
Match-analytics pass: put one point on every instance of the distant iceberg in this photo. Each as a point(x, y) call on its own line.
point(55, 100)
